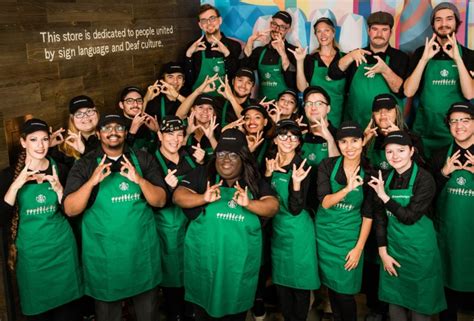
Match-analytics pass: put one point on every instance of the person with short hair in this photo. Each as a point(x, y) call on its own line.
point(439, 74)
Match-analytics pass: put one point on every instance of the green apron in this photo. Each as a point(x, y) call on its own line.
point(334, 88)
point(224, 113)
point(121, 249)
point(272, 81)
point(456, 223)
point(146, 143)
point(294, 262)
point(171, 226)
point(362, 92)
point(440, 89)
point(337, 232)
point(419, 285)
point(47, 270)
point(222, 253)
point(314, 153)
point(209, 67)
point(377, 157)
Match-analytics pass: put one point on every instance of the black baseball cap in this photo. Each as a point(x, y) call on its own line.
point(386, 101)
point(463, 107)
point(325, 20)
point(398, 137)
point(34, 125)
point(231, 140)
point(246, 72)
point(289, 91)
point(79, 102)
point(171, 68)
point(380, 18)
point(256, 107)
point(285, 125)
point(109, 119)
point(128, 90)
point(171, 123)
point(349, 128)
point(316, 90)
point(205, 99)
point(283, 16)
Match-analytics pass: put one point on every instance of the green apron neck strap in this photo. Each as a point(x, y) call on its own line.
point(262, 152)
point(450, 150)
point(53, 164)
point(161, 161)
point(336, 168)
point(189, 142)
point(163, 111)
point(412, 178)
point(262, 54)
point(218, 178)
point(135, 162)
point(224, 112)
point(190, 161)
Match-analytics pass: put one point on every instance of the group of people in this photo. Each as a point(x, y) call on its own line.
point(199, 190)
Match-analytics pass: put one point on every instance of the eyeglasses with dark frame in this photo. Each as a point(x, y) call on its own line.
point(82, 114)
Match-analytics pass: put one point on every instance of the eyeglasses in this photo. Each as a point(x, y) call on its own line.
point(279, 27)
point(317, 104)
point(131, 100)
point(109, 129)
point(464, 121)
point(82, 114)
point(211, 19)
point(284, 137)
point(230, 155)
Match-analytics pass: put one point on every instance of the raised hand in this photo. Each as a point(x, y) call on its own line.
point(208, 85)
point(451, 48)
point(171, 178)
point(354, 180)
point(151, 122)
point(452, 164)
point(254, 141)
point(209, 131)
point(279, 45)
point(24, 176)
point(55, 184)
point(391, 127)
point(217, 45)
point(369, 132)
point(191, 125)
point(273, 165)
point(75, 141)
point(198, 45)
point(469, 164)
point(137, 122)
point(239, 123)
point(241, 196)
point(299, 174)
point(274, 113)
point(100, 172)
point(128, 170)
point(431, 48)
point(169, 90)
point(152, 91)
point(56, 137)
point(199, 153)
point(212, 193)
point(358, 55)
point(378, 68)
point(299, 52)
point(378, 185)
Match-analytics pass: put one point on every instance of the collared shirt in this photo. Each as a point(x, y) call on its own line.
point(398, 63)
point(424, 189)
point(192, 66)
point(83, 169)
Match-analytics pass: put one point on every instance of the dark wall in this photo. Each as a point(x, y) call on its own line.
point(34, 82)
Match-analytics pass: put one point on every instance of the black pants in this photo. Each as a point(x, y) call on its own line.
point(370, 286)
point(145, 304)
point(173, 301)
point(294, 303)
point(201, 315)
point(456, 300)
point(344, 307)
point(67, 312)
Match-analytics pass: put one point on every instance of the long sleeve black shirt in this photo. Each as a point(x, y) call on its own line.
point(153, 107)
point(424, 189)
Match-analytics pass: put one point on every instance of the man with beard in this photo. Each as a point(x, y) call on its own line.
point(213, 52)
point(440, 76)
point(274, 61)
point(164, 96)
point(115, 188)
point(372, 70)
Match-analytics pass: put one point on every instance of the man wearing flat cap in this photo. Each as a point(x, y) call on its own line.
point(115, 188)
point(439, 74)
point(373, 70)
point(274, 61)
point(213, 53)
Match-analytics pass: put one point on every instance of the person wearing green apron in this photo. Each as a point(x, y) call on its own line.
point(171, 223)
point(373, 70)
point(453, 173)
point(312, 70)
point(343, 221)
point(115, 188)
point(213, 52)
point(164, 96)
point(203, 129)
point(439, 74)
point(273, 60)
point(223, 245)
point(43, 251)
point(410, 274)
point(293, 244)
point(141, 126)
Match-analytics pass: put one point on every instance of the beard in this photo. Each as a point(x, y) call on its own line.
point(444, 36)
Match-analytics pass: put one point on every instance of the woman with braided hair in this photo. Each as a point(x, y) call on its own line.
point(42, 251)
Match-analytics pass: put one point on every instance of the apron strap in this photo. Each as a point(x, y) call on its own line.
point(163, 111)
point(161, 161)
point(262, 152)
point(224, 112)
point(190, 161)
point(336, 168)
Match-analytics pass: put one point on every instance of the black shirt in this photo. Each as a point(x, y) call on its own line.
point(272, 57)
point(192, 65)
point(142, 133)
point(424, 189)
point(197, 180)
point(398, 63)
point(466, 53)
point(82, 170)
point(325, 169)
point(153, 107)
point(310, 61)
point(91, 143)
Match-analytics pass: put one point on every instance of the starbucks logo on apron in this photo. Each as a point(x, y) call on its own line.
point(267, 75)
point(461, 181)
point(328, 78)
point(232, 204)
point(312, 157)
point(216, 68)
point(384, 165)
point(123, 186)
point(444, 73)
point(41, 198)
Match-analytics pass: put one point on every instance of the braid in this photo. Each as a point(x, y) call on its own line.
point(12, 251)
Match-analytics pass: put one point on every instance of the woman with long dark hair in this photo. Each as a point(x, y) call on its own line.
point(223, 244)
point(42, 251)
